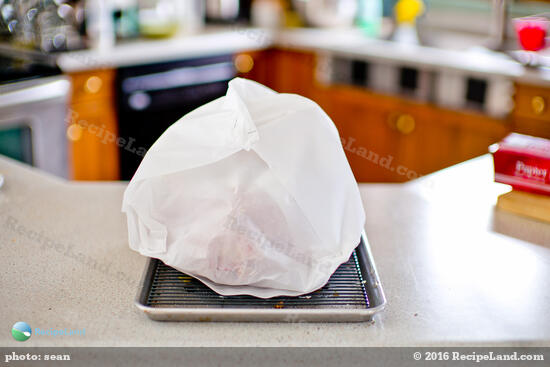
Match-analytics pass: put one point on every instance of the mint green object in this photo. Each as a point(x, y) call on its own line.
point(369, 17)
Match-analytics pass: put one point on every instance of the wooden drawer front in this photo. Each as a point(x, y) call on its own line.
point(92, 133)
point(373, 130)
point(285, 71)
point(533, 102)
point(413, 138)
point(293, 71)
point(88, 86)
point(532, 127)
point(253, 65)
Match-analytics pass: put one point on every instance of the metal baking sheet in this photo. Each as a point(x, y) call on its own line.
point(352, 294)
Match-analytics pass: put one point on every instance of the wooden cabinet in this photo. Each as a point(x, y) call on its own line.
point(532, 110)
point(388, 139)
point(92, 129)
point(368, 140)
point(292, 72)
point(285, 71)
point(450, 137)
point(254, 65)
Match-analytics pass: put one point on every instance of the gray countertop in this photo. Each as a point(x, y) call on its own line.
point(351, 42)
point(212, 40)
point(455, 271)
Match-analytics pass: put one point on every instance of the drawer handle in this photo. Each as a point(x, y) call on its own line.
point(405, 124)
point(93, 84)
point(538, 105)
point(244, 63)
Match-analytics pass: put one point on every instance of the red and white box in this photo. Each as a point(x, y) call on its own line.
point(524, 162)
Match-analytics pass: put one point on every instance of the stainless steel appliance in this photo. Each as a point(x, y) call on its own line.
point(33, 108)
point(153, 97)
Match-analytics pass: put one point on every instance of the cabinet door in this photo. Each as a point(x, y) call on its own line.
point(477, 132)
point(92, 132)
point(532, 110)
point(285, 71)
point(371, 145)
point(92, 85)
point(421, 143)
point(402, 139)
point(443, 138)
point(534, 127)
point(292, 71)
point(254, 65)
point(92, 127)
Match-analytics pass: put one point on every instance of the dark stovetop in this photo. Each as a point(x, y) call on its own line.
point(19, 68)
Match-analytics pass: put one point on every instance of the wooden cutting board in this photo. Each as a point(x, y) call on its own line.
point(526, 204)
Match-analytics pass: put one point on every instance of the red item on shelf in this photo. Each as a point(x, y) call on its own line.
point(531, 32)
point(524, 162)
point(532, 38)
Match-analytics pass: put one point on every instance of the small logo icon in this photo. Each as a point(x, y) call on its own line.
point(21, 331)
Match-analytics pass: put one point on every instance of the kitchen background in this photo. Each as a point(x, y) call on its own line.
point(86, 86)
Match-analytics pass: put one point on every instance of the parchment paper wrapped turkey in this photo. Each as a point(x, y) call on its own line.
point(251, 194)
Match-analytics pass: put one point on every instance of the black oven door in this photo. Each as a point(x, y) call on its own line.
point(153, 97)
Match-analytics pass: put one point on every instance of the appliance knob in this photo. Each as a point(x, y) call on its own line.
point(139, 101)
